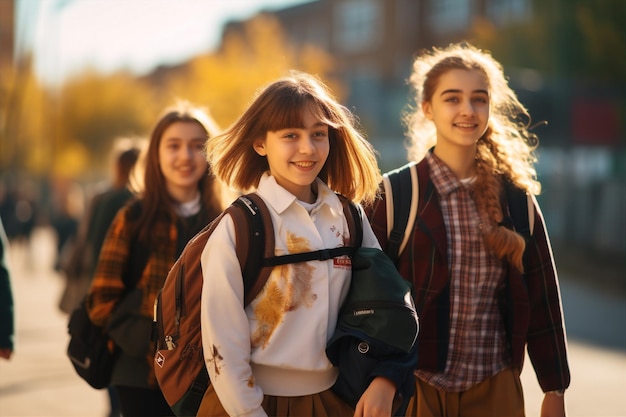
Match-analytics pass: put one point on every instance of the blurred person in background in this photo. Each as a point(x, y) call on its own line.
point(485, 292)
point(92, 229)
point(104, 205)
point(68, 206)
point(178, 198)
point(18, 209)
point(7, 316)
point(19, 212)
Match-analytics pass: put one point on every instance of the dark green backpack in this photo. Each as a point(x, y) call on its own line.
point(376, 329)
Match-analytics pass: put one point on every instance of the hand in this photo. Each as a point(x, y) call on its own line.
point(553, 406)
point(377, 400)
point(5, 353)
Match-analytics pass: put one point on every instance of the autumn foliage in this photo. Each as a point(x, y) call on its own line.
point(67, 131)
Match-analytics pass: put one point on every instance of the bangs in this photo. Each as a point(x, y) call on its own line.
point(287, 112)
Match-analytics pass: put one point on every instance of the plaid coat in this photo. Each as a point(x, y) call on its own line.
point(531, 302)
point(119, 252)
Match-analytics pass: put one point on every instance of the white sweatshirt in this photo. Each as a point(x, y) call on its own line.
point(276, 346)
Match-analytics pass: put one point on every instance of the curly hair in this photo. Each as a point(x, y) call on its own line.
point(505, 152)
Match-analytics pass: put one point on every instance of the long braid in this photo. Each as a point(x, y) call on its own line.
point(487, 190)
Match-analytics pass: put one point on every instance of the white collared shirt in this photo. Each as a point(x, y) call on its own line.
point(276, 346)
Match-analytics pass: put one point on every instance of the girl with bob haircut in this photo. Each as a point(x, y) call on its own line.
point(296, 147)
point(147, 235)
point(485, 293)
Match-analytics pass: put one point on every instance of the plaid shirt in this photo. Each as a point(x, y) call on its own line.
point(116, 257)
point(530, 304)
point(477, 342)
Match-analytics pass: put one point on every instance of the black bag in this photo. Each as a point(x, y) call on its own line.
point(91, 349)
point(376, 330)
point(88, 349)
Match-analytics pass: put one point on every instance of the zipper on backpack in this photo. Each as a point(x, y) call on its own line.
point(157, 327)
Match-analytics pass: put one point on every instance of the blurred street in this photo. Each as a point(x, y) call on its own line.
point(39, 380)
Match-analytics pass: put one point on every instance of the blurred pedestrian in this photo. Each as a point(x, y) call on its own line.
point(67, 208)
point(7, 316)
point(291, 145)
point(484, 293)
point(18, 209)
point(92, 229)
point(103, 207)
point(178, 199)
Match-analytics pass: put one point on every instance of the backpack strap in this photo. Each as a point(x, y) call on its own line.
point(521, 209)
point(354, 218)
point(254, 234)
point(401, 206)
point(138, 254)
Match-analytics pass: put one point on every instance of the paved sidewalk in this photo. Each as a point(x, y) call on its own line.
point(40, 381)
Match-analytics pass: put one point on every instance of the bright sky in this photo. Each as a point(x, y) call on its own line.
point(69, 35)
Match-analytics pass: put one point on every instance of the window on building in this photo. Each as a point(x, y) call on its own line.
point(450, 15)
point(505, 11)
point(357, 24)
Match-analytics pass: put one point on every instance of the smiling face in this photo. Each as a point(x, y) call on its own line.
point(459, 108)
point(182, 160)
point(297, 155)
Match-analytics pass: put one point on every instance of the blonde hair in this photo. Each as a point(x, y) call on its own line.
point(504, 152)
point(351, 168)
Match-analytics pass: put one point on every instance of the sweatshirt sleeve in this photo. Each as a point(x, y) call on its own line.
point(225, 327)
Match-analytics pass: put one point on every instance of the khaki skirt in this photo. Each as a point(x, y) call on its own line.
point(323, 404)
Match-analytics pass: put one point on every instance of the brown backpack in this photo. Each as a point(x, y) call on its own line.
point(179, 359)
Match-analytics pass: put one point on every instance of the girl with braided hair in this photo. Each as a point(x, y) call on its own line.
point(485, 292)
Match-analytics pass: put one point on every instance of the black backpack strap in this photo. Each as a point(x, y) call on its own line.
point(402, 196)
point(521, 209)
point(138, 253)
point(317, 255)
point(254, 234)
point(354, 217)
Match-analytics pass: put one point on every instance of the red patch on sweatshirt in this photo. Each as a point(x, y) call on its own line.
point(343, 262)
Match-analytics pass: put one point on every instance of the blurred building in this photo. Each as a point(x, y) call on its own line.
point(581, 157)
point(373, 43)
